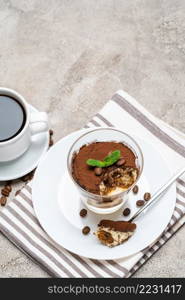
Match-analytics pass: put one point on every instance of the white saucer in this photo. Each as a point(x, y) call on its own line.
point(29, 160)
point(57, 204)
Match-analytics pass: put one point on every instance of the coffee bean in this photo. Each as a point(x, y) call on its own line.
point(51, 132)
point(83, 212)
point(140, 202)
point(17, 192)
point(8, 187)
point(86, 230)
point(135, 189)
point(5, 192)
point(25, 178)
point(28, 176)
point(126, 212)
point(98, 171)
point(120, 162)
point(3, 201)
point(147, 196)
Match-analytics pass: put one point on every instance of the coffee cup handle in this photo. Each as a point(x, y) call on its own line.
point(38, 122)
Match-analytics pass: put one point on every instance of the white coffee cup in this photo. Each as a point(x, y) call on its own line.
point(35, 123)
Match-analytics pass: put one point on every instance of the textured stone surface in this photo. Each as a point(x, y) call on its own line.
point(68, 57)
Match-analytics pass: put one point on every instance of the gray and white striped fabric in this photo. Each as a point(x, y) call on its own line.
point(20, 225)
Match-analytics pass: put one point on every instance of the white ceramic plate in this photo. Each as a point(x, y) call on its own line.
point(57, 204)
point(29, 160)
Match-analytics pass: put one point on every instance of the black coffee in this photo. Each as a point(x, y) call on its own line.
point(12, 118)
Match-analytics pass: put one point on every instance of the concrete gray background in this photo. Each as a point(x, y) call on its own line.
point(67, 57)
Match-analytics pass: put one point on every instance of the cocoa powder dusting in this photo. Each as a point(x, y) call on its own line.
point(122, 226)
point(85, 175)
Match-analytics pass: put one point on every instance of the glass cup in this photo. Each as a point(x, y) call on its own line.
point(97, 203)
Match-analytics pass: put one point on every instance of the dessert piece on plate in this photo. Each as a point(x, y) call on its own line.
point(113, 233)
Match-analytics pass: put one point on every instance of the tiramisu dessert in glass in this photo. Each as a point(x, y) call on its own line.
point(105, 164)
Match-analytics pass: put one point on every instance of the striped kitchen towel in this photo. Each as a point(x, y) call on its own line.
point(20, 225)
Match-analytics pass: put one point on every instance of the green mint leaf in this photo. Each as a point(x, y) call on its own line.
point(108, 160)
point(95, 163)
point(112, 158)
